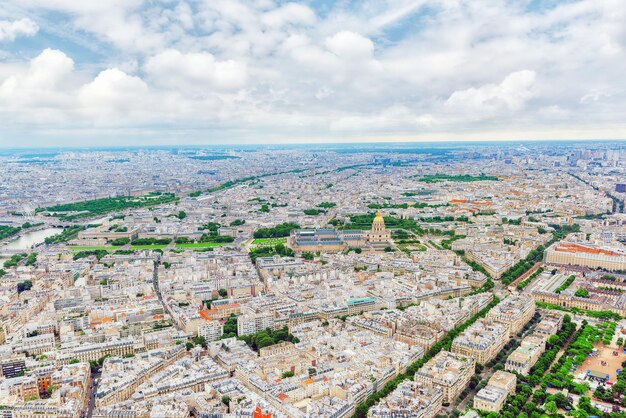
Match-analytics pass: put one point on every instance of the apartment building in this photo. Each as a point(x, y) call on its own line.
point(514, 311)
point(449, 371)
point(255, 322)
point(481, 341)
point(410, 399)
point(492, 397)
point(211, 330)
point(526, 355)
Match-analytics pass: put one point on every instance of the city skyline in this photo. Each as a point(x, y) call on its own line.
point(314, 281)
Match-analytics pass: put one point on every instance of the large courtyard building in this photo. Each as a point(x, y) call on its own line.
point(573, 254)
point(325, 240)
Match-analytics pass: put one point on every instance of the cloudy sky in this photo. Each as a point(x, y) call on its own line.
point(117, 72)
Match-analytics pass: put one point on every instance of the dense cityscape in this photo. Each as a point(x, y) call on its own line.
point(335, 281)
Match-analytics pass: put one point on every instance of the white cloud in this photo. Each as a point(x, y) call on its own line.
point(350, 46)
point(195, 72)
point(114, 94)
point(39, 83)
point(394, 119)
point(290, 13)
point(490, 99)
point(9, 30)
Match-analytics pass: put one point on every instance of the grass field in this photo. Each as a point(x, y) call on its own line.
point(147, 247)
point(107, 248)
point(266, 242)
point(200, 245)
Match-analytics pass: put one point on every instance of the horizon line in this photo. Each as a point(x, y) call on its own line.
point(358, 142)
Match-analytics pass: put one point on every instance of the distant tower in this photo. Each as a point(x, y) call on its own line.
point(379, 233)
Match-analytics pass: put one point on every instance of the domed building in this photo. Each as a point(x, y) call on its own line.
point(379, 232)
point(331, 240)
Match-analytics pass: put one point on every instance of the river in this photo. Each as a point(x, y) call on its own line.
point(28, 239)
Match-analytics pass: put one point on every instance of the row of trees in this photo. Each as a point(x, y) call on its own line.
point(7, 231)
point(575, 354)
point(88, 253)
point(231, 183)
point(65, 235)
point(462, 178)
point(526, 282)
point(565, 284)
point(523, 266)
point(278, 231)
point(209, 238)
point(14, 260)
point(524, 403)
point(593, 314)
point(536, 255)
point(151, 241)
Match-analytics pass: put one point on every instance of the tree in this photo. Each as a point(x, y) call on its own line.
point(265, 341)
point(25, 285)
point(230, 326)
point(223, 292)
point(551, 407)
point(555, 341)
point(199, 340)
point(307, 255)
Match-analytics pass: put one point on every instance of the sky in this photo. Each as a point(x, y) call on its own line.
point(188, 72)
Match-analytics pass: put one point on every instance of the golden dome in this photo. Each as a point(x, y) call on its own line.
point(379, 217)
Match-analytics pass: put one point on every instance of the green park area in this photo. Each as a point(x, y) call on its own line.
point(199, 245)
point(148, 247)
point(464, 178)
point(88, 208)
point(96, 248)
point(265, 242)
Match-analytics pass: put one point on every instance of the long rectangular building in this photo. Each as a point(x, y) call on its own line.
point(573, 254)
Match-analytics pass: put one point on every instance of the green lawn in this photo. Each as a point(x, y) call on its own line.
point(147, 247)
point(200, 244)
point(106, 248)
point(265, 242)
